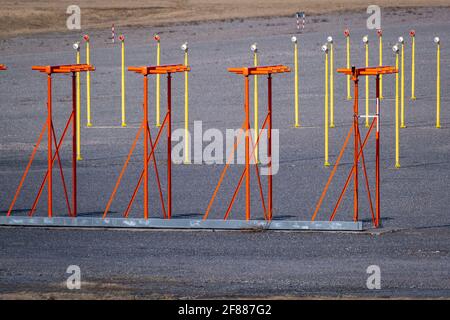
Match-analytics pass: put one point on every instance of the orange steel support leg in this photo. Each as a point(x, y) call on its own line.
point(74, 145)
point(146, 136)
point(377, 155)
point(49, 152)
point(355, 161)
point(247, 149)
point(169, 146)
point(269, 141)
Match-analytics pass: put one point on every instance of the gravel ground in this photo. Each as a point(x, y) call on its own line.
point(413, 257)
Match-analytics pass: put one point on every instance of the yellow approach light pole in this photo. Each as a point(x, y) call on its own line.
point(412, 34)
point(401, 41)
point(366, 45)
point(325, 50)
point(397, 125)
point(122, 40)
point(380, 37)
point(296, 112)
point(185, 48)
point(254, 49)
point(158, 79)
point(330, 42)
point(438, 81)
point(347, 36)
point(88, 82)
point(76, 47)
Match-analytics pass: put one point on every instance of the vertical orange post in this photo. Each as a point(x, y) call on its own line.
point(49, 150)
point(377, 154)
point(247, 148)
point(74, 144)
point(169, 145)
point(146, 137)
point(356, 152)
point(269, 141)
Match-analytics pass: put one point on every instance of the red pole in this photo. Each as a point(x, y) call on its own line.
point(247, 148)
point(169, 146)
point(49, 152)
point(74, 146)
point(269, 141)
point(146, 135)
point(356, 136)
point(377, 157)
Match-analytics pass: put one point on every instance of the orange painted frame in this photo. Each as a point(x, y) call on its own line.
point(145, 71)
point(51, 136)
point(359, 147)
point(246, 72)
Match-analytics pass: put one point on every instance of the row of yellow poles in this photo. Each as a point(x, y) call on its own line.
point(77, 48)
point(400, 97)
point(329, 87)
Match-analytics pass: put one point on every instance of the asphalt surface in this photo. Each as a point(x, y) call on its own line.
point(413, 257)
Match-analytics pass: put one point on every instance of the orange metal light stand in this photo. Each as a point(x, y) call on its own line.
point(3, 67)
point(246, 72)
point(359, 147)
point(167, 122)
point(51, 136)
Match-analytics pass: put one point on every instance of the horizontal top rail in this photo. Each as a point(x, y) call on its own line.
point(163, 69)
point(246, 71)
point(369, 71)
point(68, 68)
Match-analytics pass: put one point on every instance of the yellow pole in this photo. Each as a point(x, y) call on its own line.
point(413, 64)
point(438, 83)
point(325, 49)
point(402, 42)
point(88, 83)
point(294, 40)
point(347, 34)
point(330, 41)
point(397, 126)
point(78, 118)
point(186, 106)
point(158, 79)
point(254, 49)
point(366, 44)
point(380, 34)
point(122, 39)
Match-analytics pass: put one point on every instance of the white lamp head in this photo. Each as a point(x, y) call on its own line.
point(330, 39)
point(254, 47)
point(437, 40)
point(325, 48)
point(365, 39)
point(294, 39)
point(395, 49)
point(76, 46)
point(401, 40)
point(184, 47)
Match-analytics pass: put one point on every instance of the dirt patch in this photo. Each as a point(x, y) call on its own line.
point(29, 17)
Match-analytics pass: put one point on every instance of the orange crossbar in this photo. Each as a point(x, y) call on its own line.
point(163, 69)
point(67, 68)
point(259, 70)
point(369, 71)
